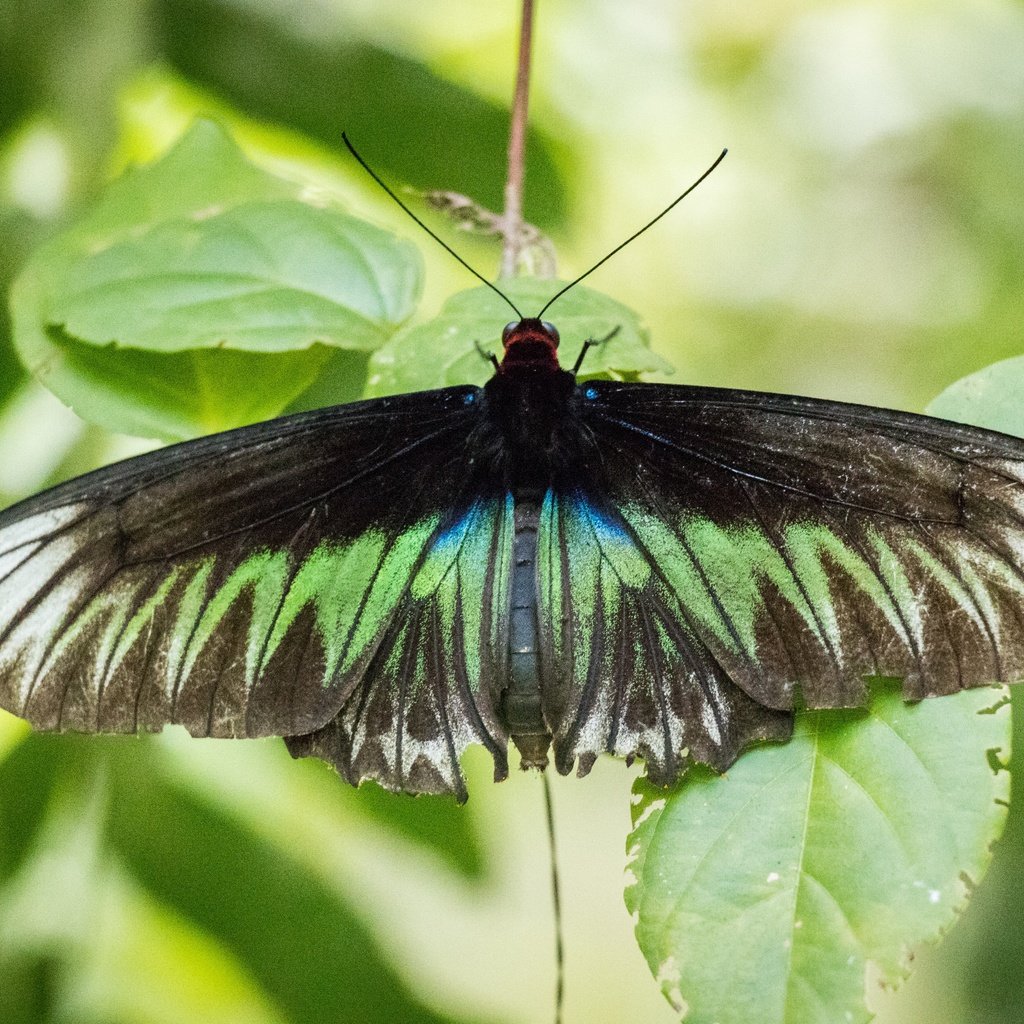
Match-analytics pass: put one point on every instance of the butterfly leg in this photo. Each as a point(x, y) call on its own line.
point(589, 344)
point(487, 357)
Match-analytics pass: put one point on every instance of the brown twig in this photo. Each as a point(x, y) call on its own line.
point(536, 253)
point(513, 215)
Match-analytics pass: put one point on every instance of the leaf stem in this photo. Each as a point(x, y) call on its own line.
point(513, 216)
point(556, 900)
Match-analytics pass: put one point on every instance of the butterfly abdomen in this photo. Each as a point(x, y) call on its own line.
point(536, 437)
point(522, 699)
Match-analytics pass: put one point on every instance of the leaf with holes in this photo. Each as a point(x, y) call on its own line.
point(763, 894)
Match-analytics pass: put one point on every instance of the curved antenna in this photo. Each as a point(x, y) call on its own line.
point(440, 241)
point(636, 234)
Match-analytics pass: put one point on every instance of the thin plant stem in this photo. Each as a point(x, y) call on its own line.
point(513, 215)
point(556, 902)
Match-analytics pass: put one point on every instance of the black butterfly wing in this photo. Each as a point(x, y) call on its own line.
point(267, 580)
point(438, 668)
point(733, 554)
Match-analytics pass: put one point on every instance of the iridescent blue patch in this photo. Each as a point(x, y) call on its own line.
point(606, 529)
point(451, 538)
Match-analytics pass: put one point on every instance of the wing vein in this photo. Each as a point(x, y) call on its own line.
point(767, 481)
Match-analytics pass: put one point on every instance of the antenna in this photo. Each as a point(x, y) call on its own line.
point(636, 234)
point(440, 241)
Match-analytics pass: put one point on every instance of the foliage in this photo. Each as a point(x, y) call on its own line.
point(834, 254)
point(290, 946)
point(443, 350)
point(852, 843)
point(202, 293)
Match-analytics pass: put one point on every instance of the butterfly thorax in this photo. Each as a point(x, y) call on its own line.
point(534, 435)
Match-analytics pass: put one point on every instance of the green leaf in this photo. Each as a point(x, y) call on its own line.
point(201, 293)
point(262, 276)
point(989, 398)
point(762, 894)
point(980, 965)
point(191, 876)
point(176, 397)
point(443, 351)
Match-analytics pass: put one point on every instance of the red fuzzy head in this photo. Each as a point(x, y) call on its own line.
point(531, 346)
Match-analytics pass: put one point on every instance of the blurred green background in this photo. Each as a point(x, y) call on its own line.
point(863, 241)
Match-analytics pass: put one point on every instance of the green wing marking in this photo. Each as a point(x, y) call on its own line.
point(342, 578)
point(435, 678)
point(625, 667)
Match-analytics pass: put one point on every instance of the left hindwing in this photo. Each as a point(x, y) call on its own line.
point(267, 580)
point(736, 553)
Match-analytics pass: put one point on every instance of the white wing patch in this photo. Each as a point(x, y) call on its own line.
point(28, 644)
point(33, 575)
point(36, 528)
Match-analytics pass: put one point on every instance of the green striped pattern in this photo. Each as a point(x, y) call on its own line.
point(660, 632)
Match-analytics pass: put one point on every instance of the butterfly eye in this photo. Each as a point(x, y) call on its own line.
point(508, 331)
point(551, 330)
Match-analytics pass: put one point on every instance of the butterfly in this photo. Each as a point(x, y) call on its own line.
point(648, 570)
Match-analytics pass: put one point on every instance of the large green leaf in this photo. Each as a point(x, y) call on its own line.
point(763, 894)
point(444, 350)
point(201, 293)
point(981, 961)
point(189, 873)
point(262, 276)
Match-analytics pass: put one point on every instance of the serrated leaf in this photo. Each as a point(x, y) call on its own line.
point(444, 351)
point(762, 894)
point(201, 293)
point(982, 963)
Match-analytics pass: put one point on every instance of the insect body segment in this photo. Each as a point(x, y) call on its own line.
point(530, 348)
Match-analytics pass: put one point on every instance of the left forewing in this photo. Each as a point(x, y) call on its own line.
point(244, 584)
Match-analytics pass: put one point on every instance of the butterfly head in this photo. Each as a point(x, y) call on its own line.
point(530, 344)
